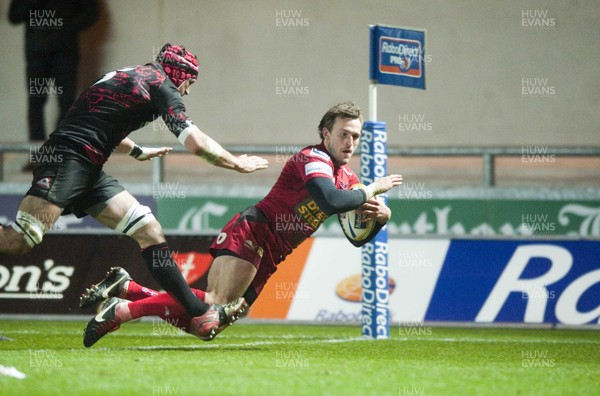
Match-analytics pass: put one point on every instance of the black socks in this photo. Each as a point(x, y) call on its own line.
point(160, 263)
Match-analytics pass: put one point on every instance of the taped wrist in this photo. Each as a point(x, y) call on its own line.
point(371, 190)
point(136, 151)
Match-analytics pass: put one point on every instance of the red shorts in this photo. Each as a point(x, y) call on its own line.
point(249, 236)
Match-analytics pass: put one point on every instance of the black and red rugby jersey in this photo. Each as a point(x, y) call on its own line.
point(117, 104)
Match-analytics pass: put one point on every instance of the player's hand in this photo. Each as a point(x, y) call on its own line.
point(376, 209)
point(386, 183)
point(249, 164)
point(149, 152)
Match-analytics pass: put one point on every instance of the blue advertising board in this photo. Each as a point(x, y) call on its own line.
point(397, 56)
point(535, 281)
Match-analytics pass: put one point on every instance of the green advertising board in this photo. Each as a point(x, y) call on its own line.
point(203, 214)
point(495, 217)
point(455, 217)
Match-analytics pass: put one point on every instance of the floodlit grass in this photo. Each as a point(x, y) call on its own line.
point(255, 359)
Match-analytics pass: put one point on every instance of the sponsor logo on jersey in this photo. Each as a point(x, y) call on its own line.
point(318, 167)
point(311, 213)
point(44, 182)
point(319, 153)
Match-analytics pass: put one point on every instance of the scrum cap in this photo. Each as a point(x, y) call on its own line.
point(178, 63)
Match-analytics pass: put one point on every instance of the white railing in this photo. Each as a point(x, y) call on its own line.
point(488, 155)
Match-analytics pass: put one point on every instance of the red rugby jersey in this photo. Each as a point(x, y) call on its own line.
point(292, 213)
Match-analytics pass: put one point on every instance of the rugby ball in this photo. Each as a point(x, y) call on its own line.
point(356, 226)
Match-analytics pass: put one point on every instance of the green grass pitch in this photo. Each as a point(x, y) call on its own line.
point(153, 358)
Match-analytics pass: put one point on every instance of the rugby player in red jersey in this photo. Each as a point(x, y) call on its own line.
point(314, 184)
point(68, 177)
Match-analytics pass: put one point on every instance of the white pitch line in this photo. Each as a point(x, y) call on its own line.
point(496, 340)
point(22, 332)
point(239, 345)
point(286, 338)
point(45, 332)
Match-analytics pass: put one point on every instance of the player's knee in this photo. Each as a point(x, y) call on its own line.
point(28, 232)
point(153, 232)
point(138, 221)
point(150, 234)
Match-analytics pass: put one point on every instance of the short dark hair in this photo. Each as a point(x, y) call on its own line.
point(340, 110)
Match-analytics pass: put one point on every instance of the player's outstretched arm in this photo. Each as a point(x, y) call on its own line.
point(332, 200)
point(202, 145)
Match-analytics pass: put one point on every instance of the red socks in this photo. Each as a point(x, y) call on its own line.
point(148, 302)
point(137, 292)
point(159, 305)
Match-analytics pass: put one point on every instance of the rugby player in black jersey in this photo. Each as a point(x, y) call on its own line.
point(71, 179)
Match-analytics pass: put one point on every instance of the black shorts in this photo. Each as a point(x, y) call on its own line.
point(65, 178)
